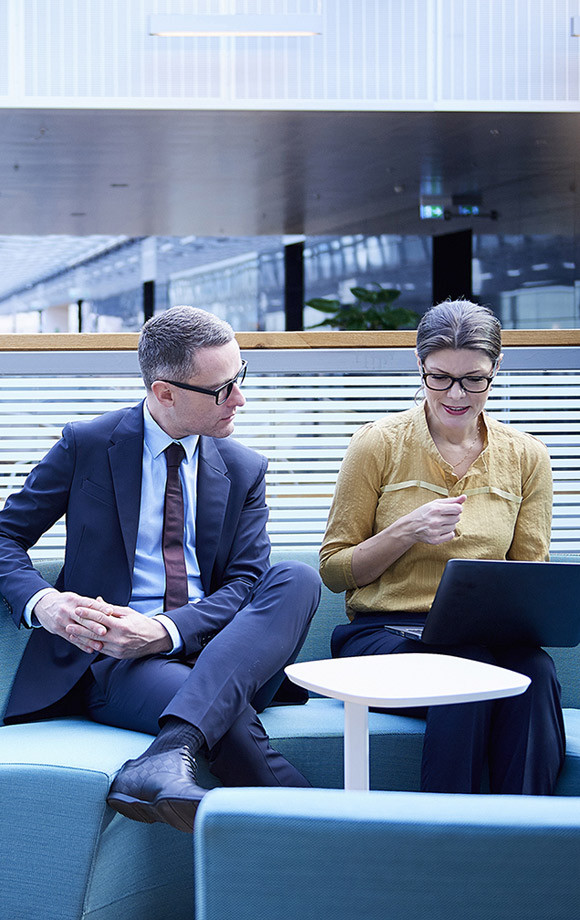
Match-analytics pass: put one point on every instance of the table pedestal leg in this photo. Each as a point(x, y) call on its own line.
point(356, 746)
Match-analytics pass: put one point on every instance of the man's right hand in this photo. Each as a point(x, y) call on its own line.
point(54, 612)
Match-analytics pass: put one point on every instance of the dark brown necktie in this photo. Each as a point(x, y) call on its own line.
point(176, 589)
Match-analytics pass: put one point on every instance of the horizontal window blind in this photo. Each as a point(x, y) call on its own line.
point(302, 422)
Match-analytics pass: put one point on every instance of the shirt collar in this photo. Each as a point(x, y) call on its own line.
point(156, 440)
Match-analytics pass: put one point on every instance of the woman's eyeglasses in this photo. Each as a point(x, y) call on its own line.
point(471, 383)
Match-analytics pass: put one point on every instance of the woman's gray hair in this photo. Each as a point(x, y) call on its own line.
point(459, 324)
point(169, 341)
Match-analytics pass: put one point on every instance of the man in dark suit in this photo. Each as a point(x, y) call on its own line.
point(183, 637)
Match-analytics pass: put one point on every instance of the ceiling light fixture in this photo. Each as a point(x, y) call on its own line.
point(235, 26)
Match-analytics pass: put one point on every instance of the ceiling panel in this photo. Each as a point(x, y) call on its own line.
point(170, 173)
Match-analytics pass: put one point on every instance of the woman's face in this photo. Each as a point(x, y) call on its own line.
point(456, 409)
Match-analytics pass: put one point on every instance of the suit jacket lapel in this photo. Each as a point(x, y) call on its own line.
point(213, 488)
point(126, 459)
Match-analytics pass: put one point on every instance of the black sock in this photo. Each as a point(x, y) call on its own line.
point(175, 733)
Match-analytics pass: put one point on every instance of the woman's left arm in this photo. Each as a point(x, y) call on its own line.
point(533, 529)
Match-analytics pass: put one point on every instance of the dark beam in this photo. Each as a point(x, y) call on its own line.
point(294, 286)
point(451, 266)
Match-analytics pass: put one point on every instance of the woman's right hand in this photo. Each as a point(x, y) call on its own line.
point(436, 522)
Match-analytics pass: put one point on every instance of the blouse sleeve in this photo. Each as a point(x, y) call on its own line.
point(531, 540)
point(352, 513)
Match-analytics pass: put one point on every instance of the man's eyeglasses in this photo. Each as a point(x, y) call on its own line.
point(471, 384)
point(223, 393)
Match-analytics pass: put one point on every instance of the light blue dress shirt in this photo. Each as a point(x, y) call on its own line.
point(148, 568)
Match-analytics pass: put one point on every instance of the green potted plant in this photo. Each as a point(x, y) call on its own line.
point(373, 309)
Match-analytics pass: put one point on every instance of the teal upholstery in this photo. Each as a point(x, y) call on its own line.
point(65, 853)
point(318, 853)
point(67, 856)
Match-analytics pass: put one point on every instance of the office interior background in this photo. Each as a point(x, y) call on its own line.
point(430, 146)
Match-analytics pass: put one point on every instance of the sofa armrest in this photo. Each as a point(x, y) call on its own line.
point(312, 853)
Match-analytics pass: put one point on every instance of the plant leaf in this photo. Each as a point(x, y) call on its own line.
point(324, 304)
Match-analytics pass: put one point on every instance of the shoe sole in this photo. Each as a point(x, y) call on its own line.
point(178, 812)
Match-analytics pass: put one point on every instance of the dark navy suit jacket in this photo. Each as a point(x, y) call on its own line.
point(93, 476)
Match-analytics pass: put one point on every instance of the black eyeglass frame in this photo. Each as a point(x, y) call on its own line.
point(225, 387)
point(459, 380)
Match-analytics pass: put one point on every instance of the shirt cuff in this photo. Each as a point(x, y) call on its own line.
point(27, 615)
point(173, 631)
point(351, 584)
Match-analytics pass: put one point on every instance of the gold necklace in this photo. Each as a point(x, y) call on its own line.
point(469, 449)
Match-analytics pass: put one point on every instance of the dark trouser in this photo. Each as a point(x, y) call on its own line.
point(215, 689)
point(521, 737)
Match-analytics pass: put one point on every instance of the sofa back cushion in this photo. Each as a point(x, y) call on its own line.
point(13, 641)
point(567, 660)
point(330, 613)
point(12, 644)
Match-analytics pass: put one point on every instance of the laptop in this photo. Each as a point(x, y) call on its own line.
point(489, 602)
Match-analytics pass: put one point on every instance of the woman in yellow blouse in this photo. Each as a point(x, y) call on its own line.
point(441, 481)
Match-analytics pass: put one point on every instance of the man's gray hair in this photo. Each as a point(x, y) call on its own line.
point(169, 342)
point(459, 324)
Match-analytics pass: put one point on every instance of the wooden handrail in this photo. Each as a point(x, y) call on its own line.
point(127, 341)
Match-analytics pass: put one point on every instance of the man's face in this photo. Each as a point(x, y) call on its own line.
point(185, 412)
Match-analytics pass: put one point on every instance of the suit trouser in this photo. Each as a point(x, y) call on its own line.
point(214, 689)
point(521, 737)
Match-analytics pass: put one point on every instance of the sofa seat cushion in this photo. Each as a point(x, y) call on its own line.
point(569, 779)
point(76, 744)
point(311, 737)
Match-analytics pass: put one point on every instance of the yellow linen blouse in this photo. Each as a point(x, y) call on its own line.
point(392, 466)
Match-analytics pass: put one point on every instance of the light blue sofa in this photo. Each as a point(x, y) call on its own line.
point(320, 854)
point(67, 856)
